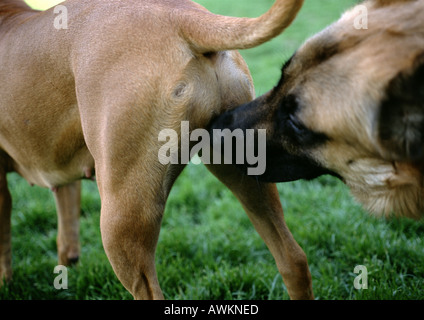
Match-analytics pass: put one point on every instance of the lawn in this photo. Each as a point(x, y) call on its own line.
point(208, 248)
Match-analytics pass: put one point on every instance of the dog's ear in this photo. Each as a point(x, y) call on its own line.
point(401, 114)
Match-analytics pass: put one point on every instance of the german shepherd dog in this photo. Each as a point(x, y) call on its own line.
point(350, 102)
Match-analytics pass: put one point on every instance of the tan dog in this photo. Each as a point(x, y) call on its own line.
point(97, 94)
point(350, 103)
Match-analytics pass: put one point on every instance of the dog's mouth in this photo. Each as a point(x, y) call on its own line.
point(254, 153)
point(282, 166)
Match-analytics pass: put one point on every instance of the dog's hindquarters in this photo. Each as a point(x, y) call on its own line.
point(171, 79)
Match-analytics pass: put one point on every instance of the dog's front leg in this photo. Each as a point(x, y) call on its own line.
point(5, 233)
point(262, 204)
point(68, 200)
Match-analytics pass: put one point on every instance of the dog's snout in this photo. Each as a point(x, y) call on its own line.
point(245, 116)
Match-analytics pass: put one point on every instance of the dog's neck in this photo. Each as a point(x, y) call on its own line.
point(10, 9)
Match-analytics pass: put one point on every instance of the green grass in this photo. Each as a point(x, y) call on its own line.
point(208, 248)
point(43, 4)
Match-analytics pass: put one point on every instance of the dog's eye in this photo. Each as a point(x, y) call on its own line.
point(295, 125)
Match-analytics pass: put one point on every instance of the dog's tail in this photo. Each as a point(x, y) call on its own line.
point(208, 32)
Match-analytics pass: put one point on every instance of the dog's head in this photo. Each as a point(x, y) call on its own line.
point(350, 102)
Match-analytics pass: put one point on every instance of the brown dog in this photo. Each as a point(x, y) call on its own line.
point(95, 95)
point(350, 103)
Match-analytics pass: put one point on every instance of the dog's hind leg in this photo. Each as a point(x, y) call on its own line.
point(262, 204)
point(5, 233)
point(67, 200)
point(133, 201)
point(130, 223)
